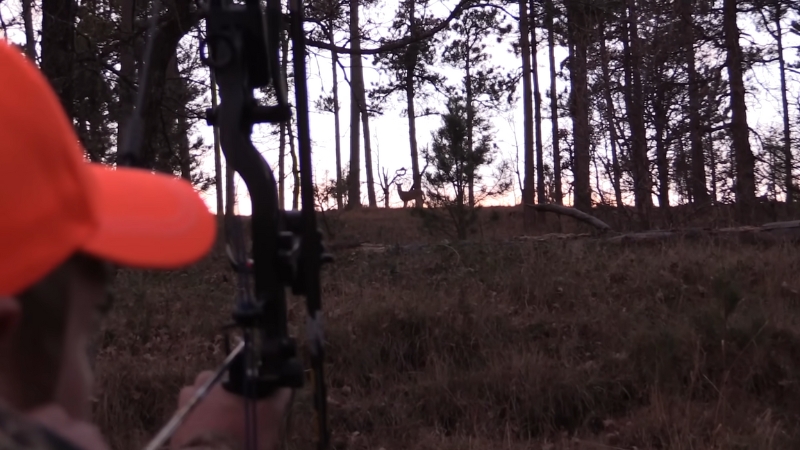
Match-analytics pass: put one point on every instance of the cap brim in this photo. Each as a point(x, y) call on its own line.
point(148, 220)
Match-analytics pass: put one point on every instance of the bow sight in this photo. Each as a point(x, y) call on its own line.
point(242, 49)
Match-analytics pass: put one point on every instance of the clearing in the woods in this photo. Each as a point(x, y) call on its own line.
point(498, 343)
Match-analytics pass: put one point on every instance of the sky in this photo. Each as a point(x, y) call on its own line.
point(389, 132)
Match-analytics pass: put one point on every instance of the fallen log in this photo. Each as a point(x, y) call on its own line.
point(571, 212)
point(770, 233)
point(781, 225)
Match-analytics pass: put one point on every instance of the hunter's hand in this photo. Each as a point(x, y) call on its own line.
point(221, 415)
point(81, 434)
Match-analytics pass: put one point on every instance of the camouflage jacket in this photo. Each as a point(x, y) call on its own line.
point(16, 433)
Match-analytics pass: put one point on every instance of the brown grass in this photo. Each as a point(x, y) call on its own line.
point(498, 344)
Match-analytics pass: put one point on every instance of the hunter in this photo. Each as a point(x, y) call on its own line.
point(64, 223)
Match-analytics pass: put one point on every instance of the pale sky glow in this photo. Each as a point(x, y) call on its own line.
point(389, 133)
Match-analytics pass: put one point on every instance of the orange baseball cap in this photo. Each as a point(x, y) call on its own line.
point(54, 203)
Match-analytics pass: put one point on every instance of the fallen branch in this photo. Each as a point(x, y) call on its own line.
point(571, 212)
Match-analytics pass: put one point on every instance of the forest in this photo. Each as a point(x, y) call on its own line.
point(648, 107)
point(649, 111)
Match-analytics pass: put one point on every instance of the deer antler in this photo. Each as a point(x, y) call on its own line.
point(397, 174)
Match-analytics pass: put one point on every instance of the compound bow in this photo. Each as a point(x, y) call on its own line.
point(243, 52)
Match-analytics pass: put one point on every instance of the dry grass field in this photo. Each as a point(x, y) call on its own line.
point(497, 343)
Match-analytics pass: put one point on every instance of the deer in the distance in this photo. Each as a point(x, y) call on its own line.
point(414, 194)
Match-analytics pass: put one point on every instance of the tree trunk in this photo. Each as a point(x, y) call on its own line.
point(697, 185)
point(788, 180)
point(740, 133)
point(412, 114)
point(412, 133)
point(127, 62)
point(660, 123)
point(30, 37)
point(578, 24)
point(709, 147)
point(230, 189)
point(354, 188)
point(282, 165)
point(470, 129)
point(527, 105)
point(537, 109)
point(551, 43)
point(642, 183)
point(610, 118)
point(337, 137)
point(178, 20)
point(58, 49)
point(284, 127)
point(295, 168)
point(373, 202)
point(217, 155)
point(179, 112)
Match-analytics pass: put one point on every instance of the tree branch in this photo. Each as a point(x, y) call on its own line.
point(393, 45)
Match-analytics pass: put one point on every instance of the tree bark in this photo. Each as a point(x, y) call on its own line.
point(709, 148)
point(30, 37)
point(578, 24)
point(549, 17)
point(660, 123)
point(179, 113)
point(697, 185)
point(127, 64)
point(295, 168)
point(412, 134)
point(527, 105)
point(788, 180)
point(470, 130)
point(217, 152)
point(373, 202)
point(616, 175)
point(282, 165)
point(58, 49)
point(336, 126)
point(354, 188)
point(537, 108)
point(411, 64)
point(743, 155)
point(283, 131)
point(642, 182)
point(178, 21)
